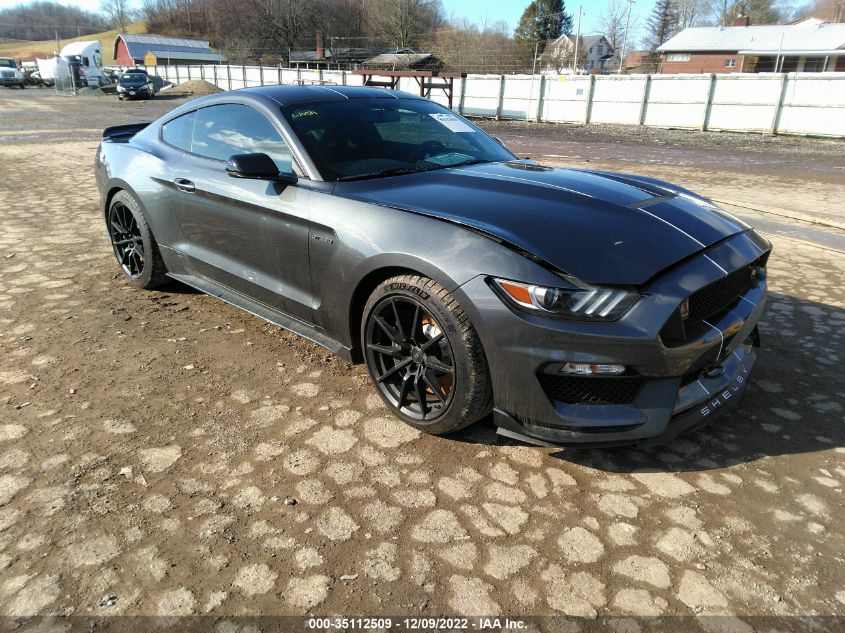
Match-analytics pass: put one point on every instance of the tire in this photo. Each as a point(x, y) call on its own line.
point(408, 364)
point(128, 230)
point(21, 86)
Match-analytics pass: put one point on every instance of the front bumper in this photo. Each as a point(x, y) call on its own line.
point(135, 93)
point(673, 393)
point(698, 403)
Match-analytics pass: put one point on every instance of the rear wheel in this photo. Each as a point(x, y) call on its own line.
point(134, 246)
point(424, 355)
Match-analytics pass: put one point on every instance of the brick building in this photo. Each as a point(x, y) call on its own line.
point(806, 46)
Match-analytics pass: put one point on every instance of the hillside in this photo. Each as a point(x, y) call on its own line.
point(27, 51)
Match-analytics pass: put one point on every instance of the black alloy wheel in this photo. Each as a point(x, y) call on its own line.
point(411, 358)
point(424, 355)
point(133, 243)
point(127, 240)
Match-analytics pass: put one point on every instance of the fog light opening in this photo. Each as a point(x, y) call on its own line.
point(592, 369)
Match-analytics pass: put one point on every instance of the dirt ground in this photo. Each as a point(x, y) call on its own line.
point(162, 453)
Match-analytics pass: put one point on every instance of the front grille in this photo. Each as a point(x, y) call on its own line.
point(718, 296)
point(591, 389)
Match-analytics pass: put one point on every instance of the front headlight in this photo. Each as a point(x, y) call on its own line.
point(593, 304)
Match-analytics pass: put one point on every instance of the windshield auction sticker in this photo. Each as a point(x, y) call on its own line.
point(452, 122)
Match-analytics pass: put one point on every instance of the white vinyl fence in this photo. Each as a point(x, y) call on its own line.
point(793, 103)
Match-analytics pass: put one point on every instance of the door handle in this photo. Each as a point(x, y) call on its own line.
point(183, 184)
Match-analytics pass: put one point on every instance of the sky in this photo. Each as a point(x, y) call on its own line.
point(475, 10)
point(511, 10)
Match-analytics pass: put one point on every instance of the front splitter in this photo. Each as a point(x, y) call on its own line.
point(717, 396)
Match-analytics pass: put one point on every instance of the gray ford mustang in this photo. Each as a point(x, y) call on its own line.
point(580, 307)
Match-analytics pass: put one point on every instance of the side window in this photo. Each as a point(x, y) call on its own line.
point(222, 131)
point(177, 132)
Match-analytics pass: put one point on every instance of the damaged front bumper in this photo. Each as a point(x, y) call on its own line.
point(698, 403)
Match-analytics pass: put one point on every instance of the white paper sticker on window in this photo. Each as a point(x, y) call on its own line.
point(452, 122)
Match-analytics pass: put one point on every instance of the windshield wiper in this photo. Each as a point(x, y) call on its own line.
point(471, 161)
point(396, 171)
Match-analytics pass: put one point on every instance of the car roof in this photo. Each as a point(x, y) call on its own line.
point(291, 95)
point(271, 96)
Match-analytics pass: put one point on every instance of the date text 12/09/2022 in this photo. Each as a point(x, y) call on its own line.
point(415, 624)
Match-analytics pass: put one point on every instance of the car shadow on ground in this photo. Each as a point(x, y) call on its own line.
point(794, 403)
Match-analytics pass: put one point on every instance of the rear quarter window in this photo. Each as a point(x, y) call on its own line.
point(177, 132)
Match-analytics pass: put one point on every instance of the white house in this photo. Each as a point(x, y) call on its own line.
point(594, 53)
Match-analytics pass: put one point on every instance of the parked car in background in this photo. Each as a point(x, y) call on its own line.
point(578, 306)
point(10, 74)
point(135, 84)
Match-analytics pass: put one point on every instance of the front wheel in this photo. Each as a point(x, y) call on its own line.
point(424, 355)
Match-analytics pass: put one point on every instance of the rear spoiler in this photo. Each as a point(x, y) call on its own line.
point(123, 132)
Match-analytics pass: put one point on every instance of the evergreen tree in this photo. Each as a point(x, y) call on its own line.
point(662, 23)
point(543, 21)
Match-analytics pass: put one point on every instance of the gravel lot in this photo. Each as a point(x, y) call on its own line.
point(162, 453)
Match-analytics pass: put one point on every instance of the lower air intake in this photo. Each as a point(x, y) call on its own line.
point(591, 389)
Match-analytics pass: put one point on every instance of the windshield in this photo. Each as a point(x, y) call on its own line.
point(134, 78)
point(369, 138)
point(7, 63)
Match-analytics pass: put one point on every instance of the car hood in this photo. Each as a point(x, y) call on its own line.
point(601, 227)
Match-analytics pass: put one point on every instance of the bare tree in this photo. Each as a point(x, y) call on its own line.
point(724, 12)
point(118, 12)
point(401, 21)
point(41, 21)
point(471, 47)
point(283, 21)
point(830, 10)
point(612, 22)
point(690, 12)
point(238, 49)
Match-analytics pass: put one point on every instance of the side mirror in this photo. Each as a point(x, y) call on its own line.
point(257, 167)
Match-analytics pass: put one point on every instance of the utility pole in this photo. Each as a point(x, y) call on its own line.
point(534, 66)
point(577, 37)
point(625, 37)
